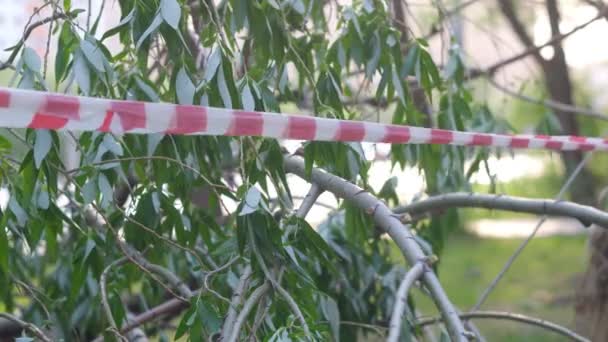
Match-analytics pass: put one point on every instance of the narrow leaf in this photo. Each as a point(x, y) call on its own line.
point(93, 55)
point(42, 146)
point(184, 88)
point(153, 26)
point(171, 12)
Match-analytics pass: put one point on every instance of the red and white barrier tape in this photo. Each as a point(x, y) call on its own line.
point(43, 110)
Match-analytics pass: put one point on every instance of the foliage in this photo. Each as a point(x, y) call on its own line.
point(165, 196)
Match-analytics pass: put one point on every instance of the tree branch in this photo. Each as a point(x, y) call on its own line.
point(511, 317)
point(525, 243)
point(247, 307)
point(585, 214)
point(401, 300)
point(556, 105)
point(237, 298)
point(27, 326)
point(56, 16)
point(508, 10)
point(535, 49)
point(384, 218)
point(309, 200)
point(104, 296)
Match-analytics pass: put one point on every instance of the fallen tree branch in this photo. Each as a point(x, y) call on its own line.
point(401, 300)
point(511, 317)
point(385, 219)
point(586, 214)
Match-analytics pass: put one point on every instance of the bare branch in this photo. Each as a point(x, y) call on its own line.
point(104, 297)
point(237, 298)
point(310, 199)
point(56, 16)
point(556, 105)
point(401, 300)
point(585, 214)
point(276, 285)
point(253, 299)
point(509, 12)
point(384, 218)
point(535, 49)
point(599, 5)
point(27, 326)
point(523, 245)
point(169, 307)
point(541, 323)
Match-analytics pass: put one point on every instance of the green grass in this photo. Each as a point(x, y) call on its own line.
point(541, 283)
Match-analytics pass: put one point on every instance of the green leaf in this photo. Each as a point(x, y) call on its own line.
point(153, 26)
point(93, 55)
point(148, 90)
point(171, 12)
point(223, 89)
point(126, 20)
point(186, 321)
point(247, 98)
point(43, 200)
point(274, 4)
point(298, 6)
point(4, 248)
point(82, 74)
point(398, 86)
point(5, 144)
point(89, 191)
point(388, 191)
point(112, 145)
point(18, 211)
point(213, 62)
point(184, 88)
point(106, 190)
point(332, 313)
point(251, 202)
point(31, 59)
point(42, 146)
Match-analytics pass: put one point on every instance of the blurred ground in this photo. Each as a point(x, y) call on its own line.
point(541, 283)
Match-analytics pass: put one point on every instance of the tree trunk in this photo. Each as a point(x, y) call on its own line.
point(591, 306)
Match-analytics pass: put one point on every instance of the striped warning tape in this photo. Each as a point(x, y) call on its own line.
point(42, 110)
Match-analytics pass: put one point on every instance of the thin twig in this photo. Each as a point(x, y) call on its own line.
point(48, 41)
point(401, 300)
point(104, 297)
point(8, 63)
point(277, 286)
point(237, 298)
point(534, 49)
point(253, 299)
point(563, 107)
point(511, 317)
point(523, 245)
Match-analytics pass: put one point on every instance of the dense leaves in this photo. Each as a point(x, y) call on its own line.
point(167, 199)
